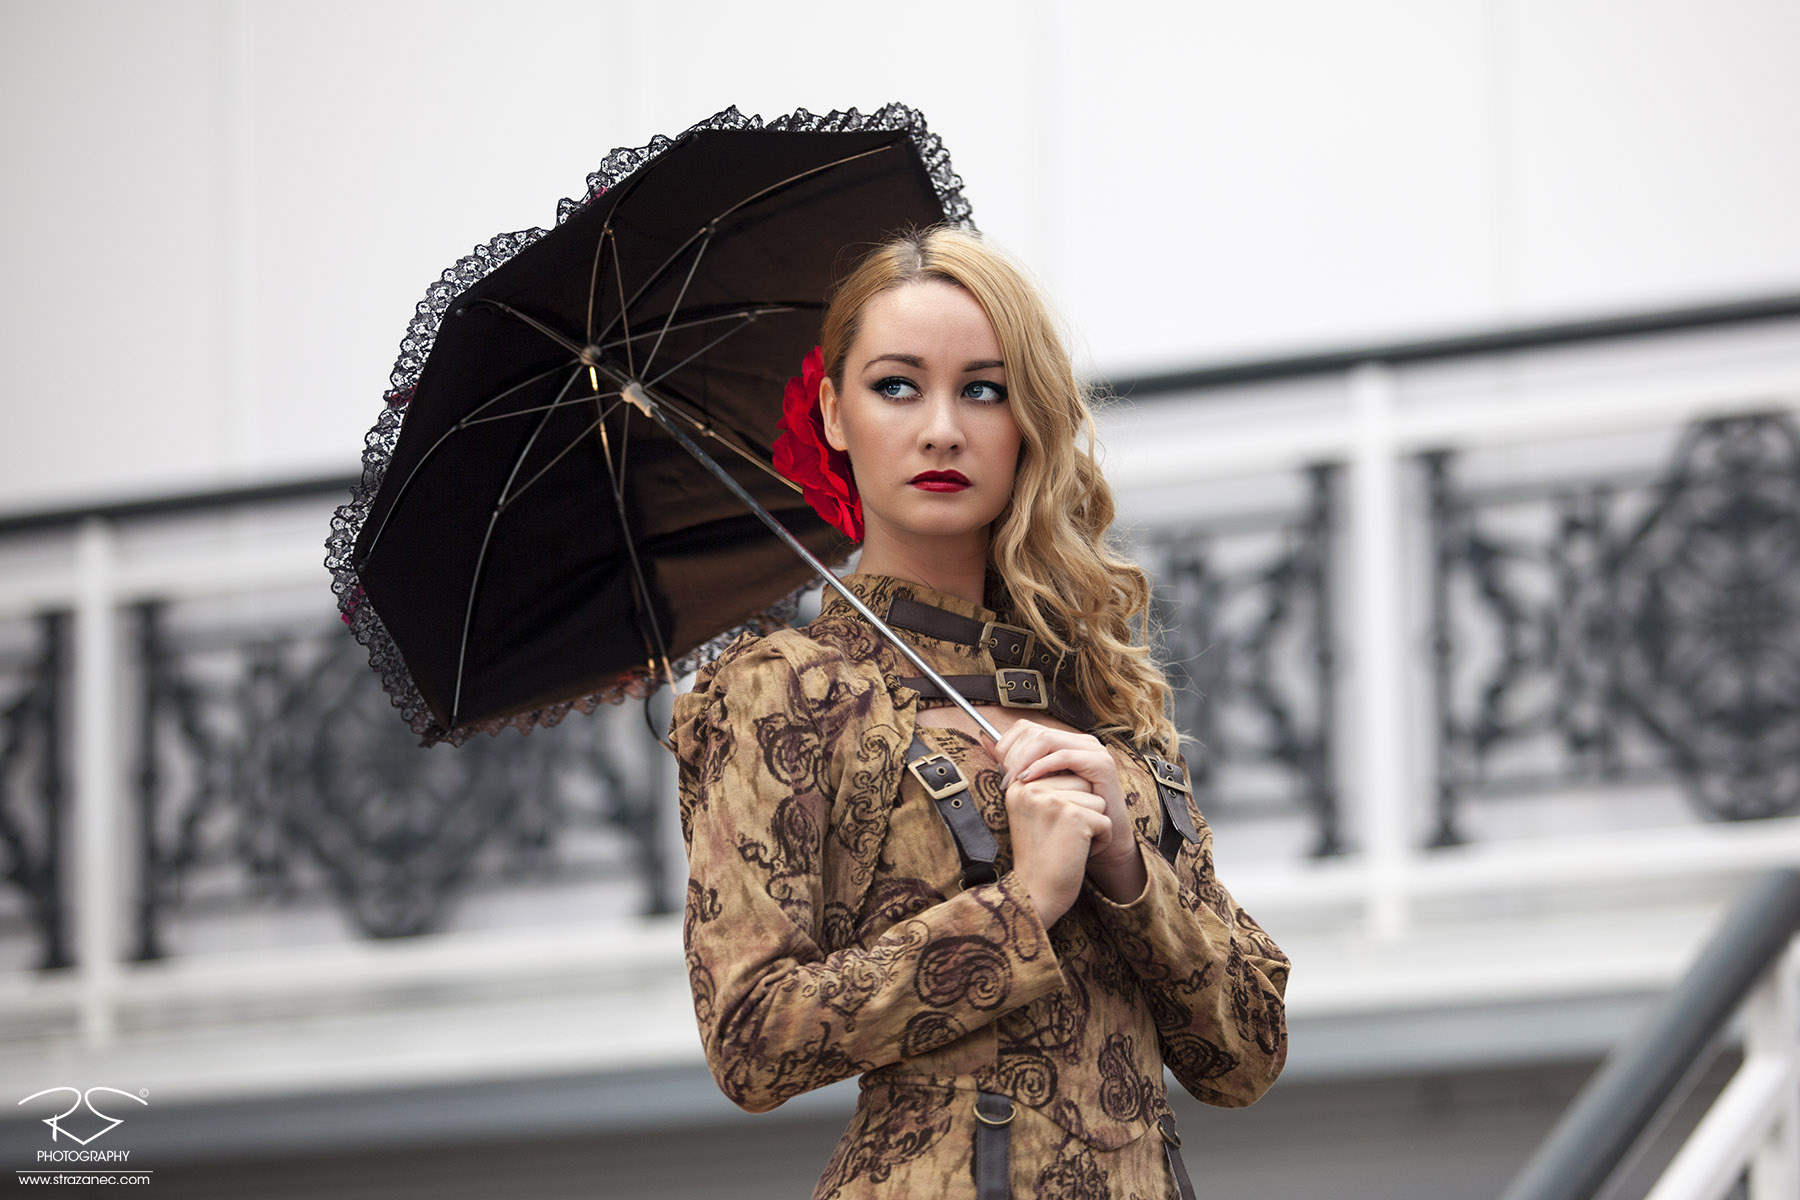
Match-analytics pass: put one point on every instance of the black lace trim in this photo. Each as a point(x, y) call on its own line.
point(415, 347)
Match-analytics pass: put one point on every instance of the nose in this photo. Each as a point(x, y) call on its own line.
point(942, 430)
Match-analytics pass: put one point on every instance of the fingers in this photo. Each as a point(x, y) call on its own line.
point(1090, 764)
point(1027, 733)
point(1061, 789)
point(1045, 802)
point(1056, 830)
point(1027, 741)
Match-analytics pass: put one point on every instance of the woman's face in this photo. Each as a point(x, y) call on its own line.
point(924, 417)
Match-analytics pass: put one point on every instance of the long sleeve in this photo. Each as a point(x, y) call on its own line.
point(1214, 981)
point(789, 763)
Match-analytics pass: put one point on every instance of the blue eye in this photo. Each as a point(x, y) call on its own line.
point(896, 388)
point(985, 392)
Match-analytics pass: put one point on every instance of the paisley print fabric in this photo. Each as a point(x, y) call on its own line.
point(827, 936)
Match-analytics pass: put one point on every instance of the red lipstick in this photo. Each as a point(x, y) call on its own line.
point(940, 481)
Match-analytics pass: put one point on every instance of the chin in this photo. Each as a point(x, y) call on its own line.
point(935, 531)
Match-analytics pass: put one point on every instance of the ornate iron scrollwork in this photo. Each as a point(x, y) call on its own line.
point(31, 789)
point(1654, 631)
point(1250, 656)
point(292, 776)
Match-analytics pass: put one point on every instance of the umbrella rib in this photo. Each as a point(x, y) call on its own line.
point(507, 495)
point(520, 412)
point(736, 314)
point(640, 592)
point(560, 454)
point(624, 447)
point(699, 255)
point(806, 174)
point(594, 277)
point(675, 255)
point(706, 430)
point(429, 454)
point(619, 279)
point(472, 419)
point(561, 340)
point(744, 322)
point(462, 649)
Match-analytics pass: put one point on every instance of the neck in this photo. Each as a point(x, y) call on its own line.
point(959, 571)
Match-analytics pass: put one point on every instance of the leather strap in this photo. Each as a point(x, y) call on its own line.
point(1010, 645)
point(1172, 1148)
point(1172, 788)
point(993, 1149)
point(949, 791)
point(1013, 688)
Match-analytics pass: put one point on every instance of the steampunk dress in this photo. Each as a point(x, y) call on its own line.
point(829, 933)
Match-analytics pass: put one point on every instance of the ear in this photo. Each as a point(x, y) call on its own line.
point(831, 416)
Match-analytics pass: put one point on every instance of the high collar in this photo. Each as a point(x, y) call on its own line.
point(880, 591)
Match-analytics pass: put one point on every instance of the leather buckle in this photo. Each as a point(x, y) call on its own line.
point(998, 636)
point(1021, 687)
point(937, 767)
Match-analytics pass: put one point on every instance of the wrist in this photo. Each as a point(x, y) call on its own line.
point(1120, 877)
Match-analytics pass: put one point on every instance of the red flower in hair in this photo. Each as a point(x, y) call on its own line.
point(804, 456)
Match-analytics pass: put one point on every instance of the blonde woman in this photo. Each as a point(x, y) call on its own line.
point(1007, 941)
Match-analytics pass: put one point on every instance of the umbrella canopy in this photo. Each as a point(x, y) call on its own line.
point(525, 539)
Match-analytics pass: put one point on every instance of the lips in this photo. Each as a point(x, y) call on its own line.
point(939, 481)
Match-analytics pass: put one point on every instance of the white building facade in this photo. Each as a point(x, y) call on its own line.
point(1491, 644)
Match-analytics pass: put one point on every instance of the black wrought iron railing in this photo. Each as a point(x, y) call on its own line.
point(1585, 631)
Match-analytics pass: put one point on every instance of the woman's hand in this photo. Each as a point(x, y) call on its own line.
point(1066, 811)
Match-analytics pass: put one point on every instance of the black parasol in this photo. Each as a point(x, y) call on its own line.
point(536, 527)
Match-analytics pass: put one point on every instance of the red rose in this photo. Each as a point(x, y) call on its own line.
point(803, 455)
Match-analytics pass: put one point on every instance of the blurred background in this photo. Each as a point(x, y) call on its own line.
point(1456, 354)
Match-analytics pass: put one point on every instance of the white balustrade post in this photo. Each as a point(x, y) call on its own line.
point(98, 811)
point(1772, 1027)
point(1377, 651)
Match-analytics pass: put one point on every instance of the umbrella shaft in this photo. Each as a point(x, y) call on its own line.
point(635, 393)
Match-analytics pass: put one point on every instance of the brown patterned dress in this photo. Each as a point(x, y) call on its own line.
point(827, 936)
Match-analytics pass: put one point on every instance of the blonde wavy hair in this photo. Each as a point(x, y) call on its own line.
point(1050, 548)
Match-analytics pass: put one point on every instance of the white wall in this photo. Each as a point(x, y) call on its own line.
point(221, 212)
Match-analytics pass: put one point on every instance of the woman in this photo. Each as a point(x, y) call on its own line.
point(1007, 941)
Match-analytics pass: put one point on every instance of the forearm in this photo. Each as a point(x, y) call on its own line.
point(1213, 980)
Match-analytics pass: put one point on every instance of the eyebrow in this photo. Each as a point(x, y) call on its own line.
point(918, 364)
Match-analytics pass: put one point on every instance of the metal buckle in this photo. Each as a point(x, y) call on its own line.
point(1166, 1127)
point(1009, 681)
point(948, 770)
point(991, 644)
point(1012, 1110)
point(1168, 774)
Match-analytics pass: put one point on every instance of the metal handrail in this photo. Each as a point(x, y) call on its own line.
point(1623, 1098)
